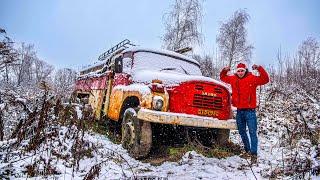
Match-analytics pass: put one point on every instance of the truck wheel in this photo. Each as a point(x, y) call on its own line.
point(223, 136)
point(203, 136)
point(136, 134)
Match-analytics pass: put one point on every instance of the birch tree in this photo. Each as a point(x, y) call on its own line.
point(232, 39)
point(182, 25)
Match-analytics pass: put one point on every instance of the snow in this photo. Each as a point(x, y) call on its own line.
point(192, 165)
point(93, 74)
point(162, 51)
point(79, 112)
point(142, 88)
point(274, 150)
point(24, 101)
point(2, 106)
point(170, 79)
point(157, 62)
point(98, 63)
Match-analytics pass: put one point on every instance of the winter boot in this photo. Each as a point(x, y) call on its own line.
point(245, 155)
point(254, 159)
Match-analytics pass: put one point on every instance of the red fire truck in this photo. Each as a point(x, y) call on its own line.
point(139, 87)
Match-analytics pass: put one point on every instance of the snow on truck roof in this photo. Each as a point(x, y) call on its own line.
point(163, 52)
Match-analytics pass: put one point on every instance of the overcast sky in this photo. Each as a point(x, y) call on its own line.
point(72, 33)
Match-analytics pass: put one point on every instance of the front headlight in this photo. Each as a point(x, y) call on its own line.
point(157, 103)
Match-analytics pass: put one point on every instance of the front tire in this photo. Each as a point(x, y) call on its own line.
point(136, 134)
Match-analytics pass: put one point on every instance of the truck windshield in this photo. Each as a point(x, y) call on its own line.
point(157, 62)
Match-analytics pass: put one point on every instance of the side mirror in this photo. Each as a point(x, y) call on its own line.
point(118, 65)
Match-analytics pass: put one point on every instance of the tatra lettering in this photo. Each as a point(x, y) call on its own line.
point(208, 94)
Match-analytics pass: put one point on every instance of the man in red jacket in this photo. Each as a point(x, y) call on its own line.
point(244, 85)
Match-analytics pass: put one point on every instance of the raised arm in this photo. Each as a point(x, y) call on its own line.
point(223, 75)
point(263, 78)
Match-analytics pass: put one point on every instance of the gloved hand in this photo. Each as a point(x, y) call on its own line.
point(227, 68)
point(254, 67)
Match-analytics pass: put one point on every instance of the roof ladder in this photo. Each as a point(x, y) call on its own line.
point(112, 50)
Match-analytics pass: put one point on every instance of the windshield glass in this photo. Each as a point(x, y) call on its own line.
point(162, 63)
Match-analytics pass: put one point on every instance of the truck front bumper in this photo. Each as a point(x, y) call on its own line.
point(185, 119)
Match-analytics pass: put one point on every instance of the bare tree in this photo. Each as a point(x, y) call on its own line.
point(7, 54)
point(272, 72)
point(21, 66)
point(288, 70)
point(309, 56)
point(232, 39)
point(182, 25)
point(64, 80)
point(280, 65)
point(42, 70)
point(24, 71)
point(206, 65)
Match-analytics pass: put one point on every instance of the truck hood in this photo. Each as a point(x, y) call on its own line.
point(171, 79)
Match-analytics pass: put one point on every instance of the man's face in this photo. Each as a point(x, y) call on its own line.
point(241, 73)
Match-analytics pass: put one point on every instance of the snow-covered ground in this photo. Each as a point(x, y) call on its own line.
point(69, 152)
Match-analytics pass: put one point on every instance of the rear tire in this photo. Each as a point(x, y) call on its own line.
point(136, 134)
point(205, 136)
point(223, 136)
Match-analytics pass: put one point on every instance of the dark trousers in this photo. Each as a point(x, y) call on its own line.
point(247, 117)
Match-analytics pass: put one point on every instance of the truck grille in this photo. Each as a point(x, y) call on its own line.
point(199, 87)
point(207, 102)
point(218, 90)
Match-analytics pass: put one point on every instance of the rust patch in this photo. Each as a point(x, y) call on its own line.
point(95, 100)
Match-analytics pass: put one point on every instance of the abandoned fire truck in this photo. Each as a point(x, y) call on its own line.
point(141, 87)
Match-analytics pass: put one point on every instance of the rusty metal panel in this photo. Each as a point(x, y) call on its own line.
point(95, 100)
point(185, 120)
point(117, 98)
point(115, 104)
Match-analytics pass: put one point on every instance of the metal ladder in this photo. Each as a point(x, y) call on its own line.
point(112, 50)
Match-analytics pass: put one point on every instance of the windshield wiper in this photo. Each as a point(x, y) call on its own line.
point(168, 69)
point(185, 71)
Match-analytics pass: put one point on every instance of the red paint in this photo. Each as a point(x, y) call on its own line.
point(122, 79)
point(99, 83)
point(191, 96)
point(93, 83)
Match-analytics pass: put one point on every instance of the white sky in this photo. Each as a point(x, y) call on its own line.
point(75, 32)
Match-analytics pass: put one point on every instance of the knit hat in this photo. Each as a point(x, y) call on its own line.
point(241, 66)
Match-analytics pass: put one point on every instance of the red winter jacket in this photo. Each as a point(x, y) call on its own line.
point(244, 89)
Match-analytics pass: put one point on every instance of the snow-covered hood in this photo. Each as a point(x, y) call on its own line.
point(170, 79)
